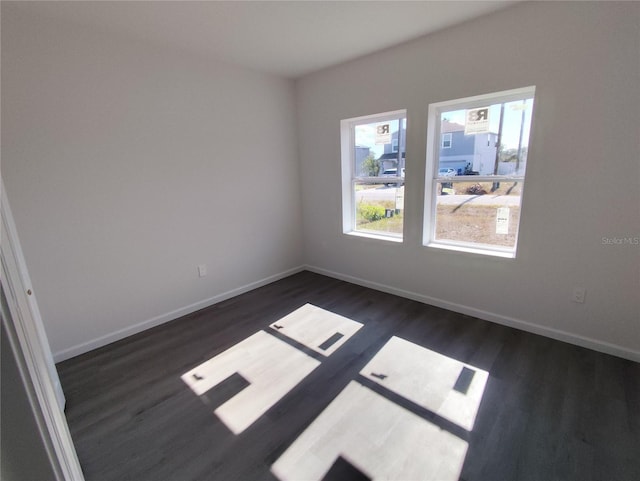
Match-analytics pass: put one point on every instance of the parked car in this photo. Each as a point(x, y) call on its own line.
point(393, 172)
point(447, 187)
point(445, 172)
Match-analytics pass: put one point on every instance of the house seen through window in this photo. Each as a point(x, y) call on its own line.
point(476, 174)
point(373, 174)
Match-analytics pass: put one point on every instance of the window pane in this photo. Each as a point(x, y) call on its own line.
point(376, 147)
point(379, 208)
point(474, 139)
point(485, 138)
point(379, 151)
point(469, 212)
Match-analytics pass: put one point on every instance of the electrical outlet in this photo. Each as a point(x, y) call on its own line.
point(578, 295)
point(202, 270)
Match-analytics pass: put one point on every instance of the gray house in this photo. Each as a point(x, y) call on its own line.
point(389, 159)
point(393, 146)
point(460, 152)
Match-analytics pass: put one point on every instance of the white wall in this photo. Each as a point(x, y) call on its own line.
point(583, 178)
point(128, 164)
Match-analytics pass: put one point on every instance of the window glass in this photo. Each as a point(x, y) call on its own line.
point(374, 174)
point(476, 173)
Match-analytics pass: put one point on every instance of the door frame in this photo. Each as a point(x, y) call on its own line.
point(31, 349)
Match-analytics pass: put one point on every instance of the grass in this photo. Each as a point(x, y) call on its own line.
point(387, 225)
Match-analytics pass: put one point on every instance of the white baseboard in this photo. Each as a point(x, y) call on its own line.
point(550, 332)
point(169, 316)
point(560, 335)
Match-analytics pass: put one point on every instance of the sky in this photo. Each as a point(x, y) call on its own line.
point(366, 135)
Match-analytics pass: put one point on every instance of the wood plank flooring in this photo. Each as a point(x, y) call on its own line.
point(549, 410)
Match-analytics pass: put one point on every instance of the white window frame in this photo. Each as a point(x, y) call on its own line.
point(349, 178)
point(450, 139)
point(432, 178)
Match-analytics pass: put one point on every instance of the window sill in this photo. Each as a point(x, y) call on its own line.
point(370, 235)
point(472, 250)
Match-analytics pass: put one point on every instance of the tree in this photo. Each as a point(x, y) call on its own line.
point(371, 166)
point(511, 155)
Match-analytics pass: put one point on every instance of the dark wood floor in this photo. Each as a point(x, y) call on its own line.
point(550, 410)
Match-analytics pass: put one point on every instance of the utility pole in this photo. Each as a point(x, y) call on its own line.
point(524, 106)
point(496, 185)
point(400, 159)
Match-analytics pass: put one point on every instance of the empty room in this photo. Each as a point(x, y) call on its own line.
point(318, 240)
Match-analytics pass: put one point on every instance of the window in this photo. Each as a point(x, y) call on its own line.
point(473, 194)
point(446, 141)
point(373, 174)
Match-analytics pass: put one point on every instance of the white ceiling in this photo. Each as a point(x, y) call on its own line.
point(285, 38)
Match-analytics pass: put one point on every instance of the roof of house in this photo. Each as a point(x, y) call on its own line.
point(450, 127)
point(447, 127)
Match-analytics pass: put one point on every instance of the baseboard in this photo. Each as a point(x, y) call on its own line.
point(560, 335)
point(552, 333)
point(169, 316)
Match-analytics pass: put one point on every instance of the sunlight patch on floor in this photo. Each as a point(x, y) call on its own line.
point(270, 366)
point(316, 328)
point(438, 383)
point(376, 436)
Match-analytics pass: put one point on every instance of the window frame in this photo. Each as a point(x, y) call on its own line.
point(348, 171)
point(432, 177)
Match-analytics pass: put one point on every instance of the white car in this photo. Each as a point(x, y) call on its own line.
point(445, 172)
point(393, 172)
